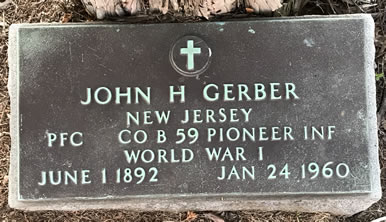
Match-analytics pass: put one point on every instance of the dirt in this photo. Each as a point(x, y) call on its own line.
point(34, 11)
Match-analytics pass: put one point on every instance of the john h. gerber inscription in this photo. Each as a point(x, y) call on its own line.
point(109, 119)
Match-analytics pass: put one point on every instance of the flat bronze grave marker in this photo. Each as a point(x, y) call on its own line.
point(267, 114)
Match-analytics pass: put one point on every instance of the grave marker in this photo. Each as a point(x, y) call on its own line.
point(272, 114)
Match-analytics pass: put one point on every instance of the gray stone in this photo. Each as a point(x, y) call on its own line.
point(322, 68)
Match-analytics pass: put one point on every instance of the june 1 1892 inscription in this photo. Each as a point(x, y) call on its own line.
point(235, 108)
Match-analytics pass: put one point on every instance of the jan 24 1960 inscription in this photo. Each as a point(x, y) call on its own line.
point(235, 108)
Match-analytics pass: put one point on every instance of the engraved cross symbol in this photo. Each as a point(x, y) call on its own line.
point(190, 51)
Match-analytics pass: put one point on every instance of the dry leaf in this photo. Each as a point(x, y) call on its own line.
point(249, 10)
point(4, 4)
point(190, 216)
point(5, 179)
point(213, 217)
point(66, 18)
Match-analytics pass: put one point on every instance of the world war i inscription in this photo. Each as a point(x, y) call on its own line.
point(248, 110)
